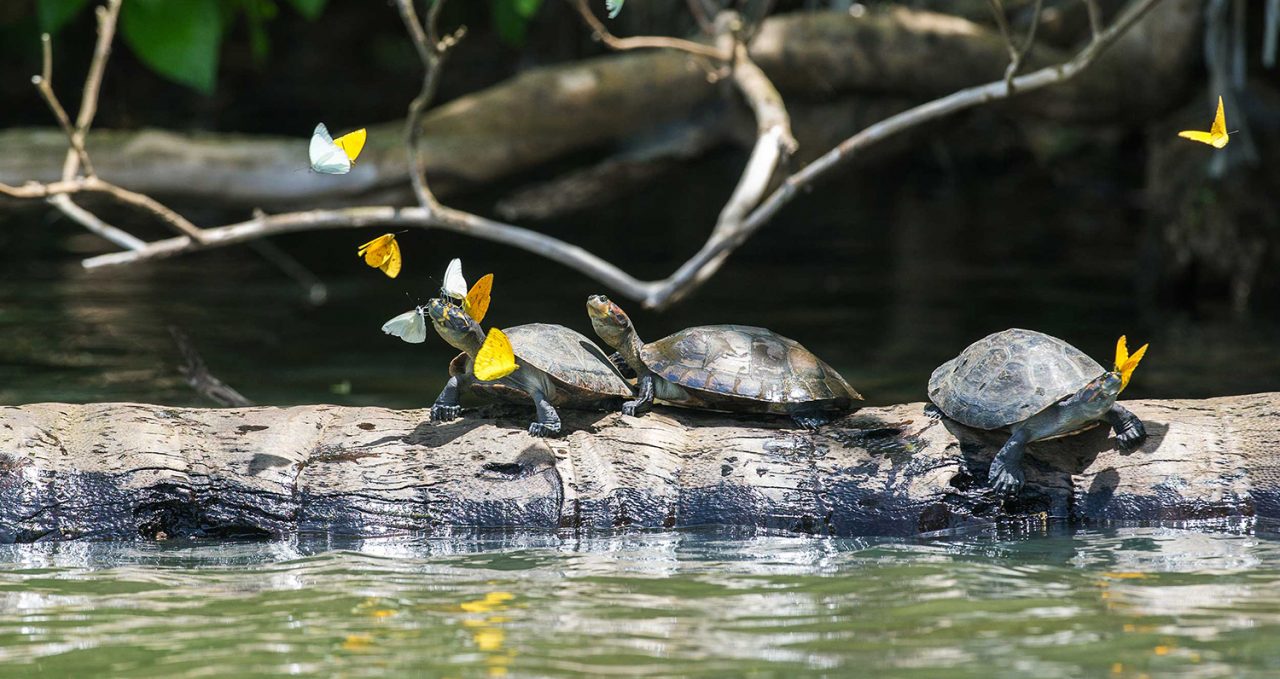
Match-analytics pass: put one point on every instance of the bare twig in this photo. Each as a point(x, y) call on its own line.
point(107, 15)
point(1017, 53)
point(91, 222)
point(92, 184)
point(44, 84)
point(648, 41)
point(431, 50)
point(78, 157)
point(1002, 22)
point(1020, 53)
point(1095, 18)
point(317, 291)
point(774, 143)
point(198, 376)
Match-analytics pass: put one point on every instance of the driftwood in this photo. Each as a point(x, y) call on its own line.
point(145, 471)
point(595, 103)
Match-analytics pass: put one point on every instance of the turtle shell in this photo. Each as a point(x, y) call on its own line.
point(741, 362)
point(1008, 376)
point(567, 357)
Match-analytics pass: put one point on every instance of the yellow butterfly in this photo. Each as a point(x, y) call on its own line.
point(352, 143)
point(495, 359)
point(1216, 136)
point(382, 253)
point(477, 302)
point(1125, 363)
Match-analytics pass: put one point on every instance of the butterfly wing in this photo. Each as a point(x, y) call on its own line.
point(454, 286)
point(1197, 135)
point(410, 326)
point(326, 156)
point(1218, 131)
point(1126, 370)
point(477, 303)
point(391, 265)
point(376, 251)
point(495, 359)
point(351, 143)
point(613, 6)
point(1122, 352)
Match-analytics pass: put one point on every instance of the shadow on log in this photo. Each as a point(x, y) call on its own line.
point(142, 471)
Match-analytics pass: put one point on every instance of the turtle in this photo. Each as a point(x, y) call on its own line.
point(1038, 387)
point(557, 367)
point(736, 368)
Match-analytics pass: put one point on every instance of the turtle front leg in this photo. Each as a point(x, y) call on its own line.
point(620, 363)
point(644, 397)
point(446, 406)
point(1130, 433)
point(548, 423)
point(1006, 475)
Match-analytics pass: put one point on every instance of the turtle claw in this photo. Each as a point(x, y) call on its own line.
point(1131, 434)
point(444, 413)
point(810, 422)
point(1005, 480)
point(544, 430)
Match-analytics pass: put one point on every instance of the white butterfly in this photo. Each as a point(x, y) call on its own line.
point(454, 286)
point(614, 6)
point(410, 326)
point(335, 157)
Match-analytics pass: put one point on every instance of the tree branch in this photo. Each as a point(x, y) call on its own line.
point(107, 15)
point(708, 260)
point(431, 50)
point(745, 212)
point(441, 217)
point(645, 42)
point(44, 84)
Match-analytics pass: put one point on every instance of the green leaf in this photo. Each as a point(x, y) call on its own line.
point(256, 15)
point(177, 39)
point(308, 8)
point(54, 14)
point(526, 8)
point(511, 18)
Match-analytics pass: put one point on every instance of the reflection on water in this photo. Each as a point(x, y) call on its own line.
point(1122, 602)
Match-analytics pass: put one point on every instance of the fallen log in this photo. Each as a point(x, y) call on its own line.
point(144, 471)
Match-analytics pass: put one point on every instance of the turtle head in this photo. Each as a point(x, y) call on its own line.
point(455, 326)
point(1096, 397)
point(609, 320)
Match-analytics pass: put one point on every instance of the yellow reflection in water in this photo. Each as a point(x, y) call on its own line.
point(486, 631)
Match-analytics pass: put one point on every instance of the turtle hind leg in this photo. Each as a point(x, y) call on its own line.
point(548, 422)
point(1006, 476)
point(1130, 432)
point(809, 418)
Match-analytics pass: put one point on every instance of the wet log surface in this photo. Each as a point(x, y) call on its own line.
point(142, 471)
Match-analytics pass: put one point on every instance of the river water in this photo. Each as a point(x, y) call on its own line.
point(884, 287)
point(1129, 602)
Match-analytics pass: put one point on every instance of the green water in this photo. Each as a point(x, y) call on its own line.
point(1127, 602)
